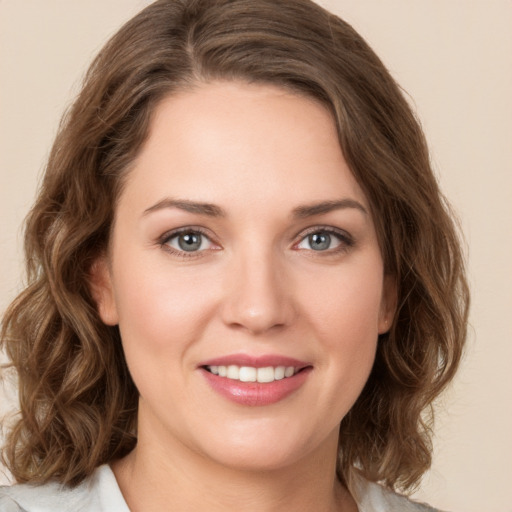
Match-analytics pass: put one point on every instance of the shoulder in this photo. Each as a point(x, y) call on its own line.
point(99, 493)
point(372, 497)
point(7, 504)
point(44, 498)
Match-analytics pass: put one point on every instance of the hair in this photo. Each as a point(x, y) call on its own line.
point(78, 403)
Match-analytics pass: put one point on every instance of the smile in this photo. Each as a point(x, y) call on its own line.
point(251, 374)
point(255, 380)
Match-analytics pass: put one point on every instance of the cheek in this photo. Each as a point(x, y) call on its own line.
point(161, 315)
point(161, 310)
point(346, 301)
point(344, 308)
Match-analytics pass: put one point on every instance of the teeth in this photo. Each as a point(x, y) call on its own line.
point(251, 374)
point(247, 374)
point(266, 374)
point(233, 372)
point(279, 372)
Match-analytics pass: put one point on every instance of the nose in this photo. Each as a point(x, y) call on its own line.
point(259, 294)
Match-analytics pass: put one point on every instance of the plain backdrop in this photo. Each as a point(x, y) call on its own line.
point(454, 60)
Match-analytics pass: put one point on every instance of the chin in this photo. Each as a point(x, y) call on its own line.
point(267, 447)
point(255, 459)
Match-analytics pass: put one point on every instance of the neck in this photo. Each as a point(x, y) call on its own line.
point(169, 476)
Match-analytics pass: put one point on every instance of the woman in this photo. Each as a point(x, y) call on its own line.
point(243, 279)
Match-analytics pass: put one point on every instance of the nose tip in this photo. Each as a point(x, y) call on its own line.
point(258, 298)
point(256, 320)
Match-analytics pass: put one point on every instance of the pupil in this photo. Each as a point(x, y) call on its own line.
point(189, 241)
point(320, 241)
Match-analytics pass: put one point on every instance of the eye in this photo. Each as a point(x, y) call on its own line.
point(323, 240)
point(187, 241)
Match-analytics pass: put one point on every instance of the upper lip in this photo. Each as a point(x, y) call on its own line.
point(255, 361)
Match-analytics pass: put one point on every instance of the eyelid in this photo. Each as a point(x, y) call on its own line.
point(346, 239)
point(168, 235)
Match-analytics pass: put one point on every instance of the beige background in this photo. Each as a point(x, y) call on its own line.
point(453, 57)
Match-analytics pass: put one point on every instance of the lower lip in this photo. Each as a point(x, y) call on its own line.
point(256, 393)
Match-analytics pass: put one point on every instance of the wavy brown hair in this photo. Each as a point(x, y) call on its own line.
point(77, 400)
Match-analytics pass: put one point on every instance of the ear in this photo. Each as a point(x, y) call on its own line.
point(102, 290)
point(388, 304)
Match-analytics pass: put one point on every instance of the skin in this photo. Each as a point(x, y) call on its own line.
point(255, 286)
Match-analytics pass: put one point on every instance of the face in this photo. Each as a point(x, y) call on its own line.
point(246, 277)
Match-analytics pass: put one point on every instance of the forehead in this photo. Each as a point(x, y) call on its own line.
point(234, 143)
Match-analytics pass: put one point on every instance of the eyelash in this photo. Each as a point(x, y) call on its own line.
point(168, 236)
point(346, 240)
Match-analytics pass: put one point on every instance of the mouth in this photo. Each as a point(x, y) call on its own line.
point(264, 374)
point(255, 381)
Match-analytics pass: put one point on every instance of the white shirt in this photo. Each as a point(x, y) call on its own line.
point(100, 493)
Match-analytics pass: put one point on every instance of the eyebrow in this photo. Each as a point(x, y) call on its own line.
point(208, 209)
point(303, 212)
point(212, 210)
